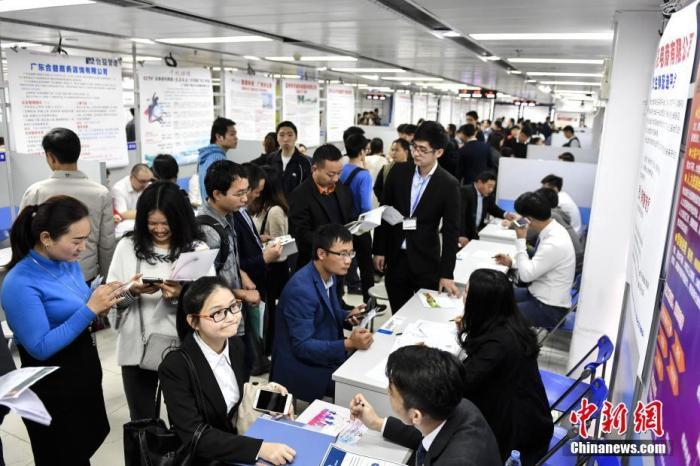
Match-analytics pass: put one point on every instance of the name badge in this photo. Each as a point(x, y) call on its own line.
point(409, 224)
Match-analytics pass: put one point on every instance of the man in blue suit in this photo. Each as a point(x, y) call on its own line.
point(309, 344)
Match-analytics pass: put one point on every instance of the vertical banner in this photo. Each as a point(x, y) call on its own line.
point(420, 108)
point(445, 110)
point(250, 102)
point(300, 105)
point(665, 121)
point(177, 111)
point(340, 111)
point(83, 94)
point(432, 113)
point(675, 376)
point(402, 109)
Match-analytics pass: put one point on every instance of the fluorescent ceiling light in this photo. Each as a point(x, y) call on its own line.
point(214, 40)
point(570, 61)
point(369, 70)
point(251, 57)
point(142, 41)
point(322, 68)
point(572, 91)
point(412, 78)
point(531, 81)
point(516, 72)
point(129, 58)
point(280, 58)
point(582, 75)
point(442, 33)
point(570, 83)
point(18, 5)
point(7, 45)
point(608, 35)
point(328, 58)
point(371, 77)
point(381, 89)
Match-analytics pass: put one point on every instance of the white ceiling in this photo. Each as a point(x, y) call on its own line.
point(363, 28)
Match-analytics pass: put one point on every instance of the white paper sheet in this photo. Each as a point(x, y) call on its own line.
point(17, 381)
point(433, 334)
point(336, 456)
point(392, 216)
point(333, 420)
point(440, 301)
point(193, 265)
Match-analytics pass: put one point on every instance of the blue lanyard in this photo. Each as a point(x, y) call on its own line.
point(421, 188)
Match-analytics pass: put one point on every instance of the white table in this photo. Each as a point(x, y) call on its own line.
point(495, 233)
point(5, 256)
point(478, 254)
point(372, 444)
point(351, 378)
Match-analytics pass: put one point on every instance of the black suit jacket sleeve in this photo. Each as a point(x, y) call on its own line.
point(379, 242)
point(493, 208)
point(250, 254)
point(397, 432)
point(450, 229)
point(300, 216)
point(468, 212)
point(215, 444)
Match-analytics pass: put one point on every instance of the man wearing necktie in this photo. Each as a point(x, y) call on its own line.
point(426, 386)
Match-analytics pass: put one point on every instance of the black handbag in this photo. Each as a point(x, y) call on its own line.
point(149, 442)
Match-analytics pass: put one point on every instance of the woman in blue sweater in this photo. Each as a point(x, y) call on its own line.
point(49, 308)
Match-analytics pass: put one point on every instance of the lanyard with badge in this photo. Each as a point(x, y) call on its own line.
point(410, 224)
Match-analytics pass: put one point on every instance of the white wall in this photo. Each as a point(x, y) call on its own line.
point(553, 152)
point(536, 114)
point(506, 111)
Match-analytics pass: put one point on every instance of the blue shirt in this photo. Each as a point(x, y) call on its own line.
point(207, 155)
point(361, 188)
point(45, 304)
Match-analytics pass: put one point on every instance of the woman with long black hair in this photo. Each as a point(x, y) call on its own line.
point(164, 228)
point(49, 307)
point(502, 377)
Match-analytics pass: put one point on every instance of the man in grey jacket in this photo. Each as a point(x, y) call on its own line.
point(62, 148)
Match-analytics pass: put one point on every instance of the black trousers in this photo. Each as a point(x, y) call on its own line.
point(140, 387)
point(277, 277)
point(402, 282)
point(363, 250)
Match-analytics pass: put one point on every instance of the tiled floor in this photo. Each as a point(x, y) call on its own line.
point(16, 445)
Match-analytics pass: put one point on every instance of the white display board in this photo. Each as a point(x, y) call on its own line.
point(251, 103)
point(506, 111)
point(665, 121)
point(445, 116)
point(562, 119)
point(177, 111)
point(80, 93)
point(300, 105)
point(402, 109)
point(340, 111)
point(536, 114)
point(535, 152)
point(420, 108)
point(432, 113)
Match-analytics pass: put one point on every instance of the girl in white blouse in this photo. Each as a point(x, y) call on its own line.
point(164, 228)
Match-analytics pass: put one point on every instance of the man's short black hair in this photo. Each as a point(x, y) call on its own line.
point(468, 130)
point(553, 180)
point(326, 152)
point(165, 167)
point(287, 124)
point(428, 379)
point(326, 235)
point(567, 157)
point(63, 143)
point(400, 128)
point(473, 114)
point(254, 173)
point(486, 175)
point(550, 195)
point(376, 146)
point(220, 126)
point(354, 144)
point(533, 205)
point(352, 130)
point(220, 175)
point(569, 129)
point(409, 128)
point(433, 133)
point(526, 131)
point(498, 124)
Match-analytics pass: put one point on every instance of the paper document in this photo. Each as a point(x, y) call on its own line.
point(433, 334)
point(368, 318)
point(393, 325)
point(336, 456)
point(439, 301)
point(16, 395)
point(289, 244)
point(333, 420)
point(370, 220)
point(193, 265)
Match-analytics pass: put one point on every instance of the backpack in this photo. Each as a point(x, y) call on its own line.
point(224, 246)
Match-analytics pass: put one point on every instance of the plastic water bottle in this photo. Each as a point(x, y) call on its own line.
point(514, 459)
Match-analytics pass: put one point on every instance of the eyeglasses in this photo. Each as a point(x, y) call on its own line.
point(344, 254)
point(421, 149)
point(220, 315)
point(242, 193)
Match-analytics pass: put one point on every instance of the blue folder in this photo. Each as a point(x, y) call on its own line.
point(309, 444)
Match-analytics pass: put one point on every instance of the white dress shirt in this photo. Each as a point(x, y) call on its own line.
point(124, 195)
point(328, 285)
point(418, 187)
point(428, 439)
point(550, 272)
point(223, 372)
point(569, 206)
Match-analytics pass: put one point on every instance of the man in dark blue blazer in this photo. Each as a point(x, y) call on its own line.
point(309, 344)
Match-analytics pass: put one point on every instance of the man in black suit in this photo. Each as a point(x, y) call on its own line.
point(319, 200)
point(294, 166)
point(473, 157)
point(477, 202)
point(425, 392)
point(426, 195)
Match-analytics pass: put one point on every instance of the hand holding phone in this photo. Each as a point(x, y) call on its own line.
point(521, 222)
point(272, 402)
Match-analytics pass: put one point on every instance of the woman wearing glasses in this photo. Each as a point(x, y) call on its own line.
point(207, 321)
point(164, 228)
